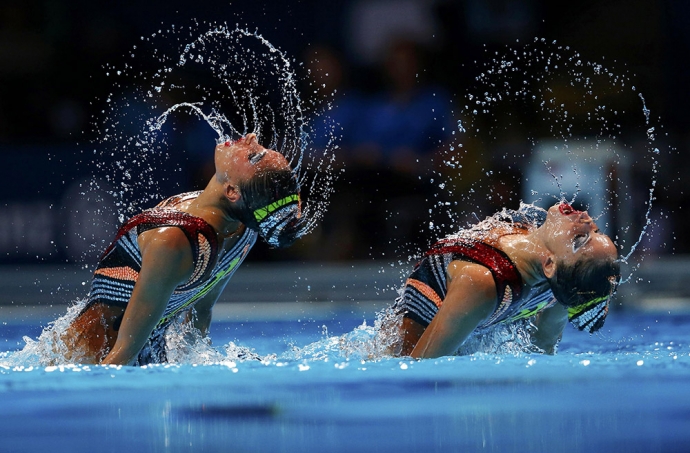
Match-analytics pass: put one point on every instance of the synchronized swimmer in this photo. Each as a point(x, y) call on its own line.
point(553, 265)
point(175, 259)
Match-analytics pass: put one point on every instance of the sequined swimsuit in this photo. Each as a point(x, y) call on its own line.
point(426, 287)
point(120, 264)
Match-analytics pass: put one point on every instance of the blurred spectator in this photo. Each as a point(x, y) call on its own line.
point(336, 125)
point(374, 23)
point(409, 119)
point(407, 124)
point(338, 106)
point(388, 142)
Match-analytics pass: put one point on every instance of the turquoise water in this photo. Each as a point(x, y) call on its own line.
point(625, 390)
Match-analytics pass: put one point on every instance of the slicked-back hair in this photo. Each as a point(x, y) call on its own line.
point(585, 280)
point(264, 188)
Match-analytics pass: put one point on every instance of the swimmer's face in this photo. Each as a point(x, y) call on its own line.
point(240, 160)
point(573, 235)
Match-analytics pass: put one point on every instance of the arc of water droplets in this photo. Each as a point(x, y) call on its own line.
point(285, 75)
point(650, 200)
point(293, 104)
point(214, 119)
point(648, 220)
point(480, 103)
point(296, 138)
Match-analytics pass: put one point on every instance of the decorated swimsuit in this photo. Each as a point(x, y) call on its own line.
point(427, 285)
point(119, 267)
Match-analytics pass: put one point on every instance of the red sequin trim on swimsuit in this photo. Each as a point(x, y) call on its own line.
point(502, 268)
point(202, 237)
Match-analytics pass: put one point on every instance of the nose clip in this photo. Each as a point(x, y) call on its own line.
point(565, 209)
point(224, 140)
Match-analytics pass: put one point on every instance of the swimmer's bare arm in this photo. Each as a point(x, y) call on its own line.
point(549, 328)
point(200, 316)
point(166, 262)
point(471, 298)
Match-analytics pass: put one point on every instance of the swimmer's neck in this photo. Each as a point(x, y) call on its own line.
point(527, 252)
point(212, 206)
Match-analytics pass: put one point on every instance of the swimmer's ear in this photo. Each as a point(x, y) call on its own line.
point(232, 193)
point(549, 266)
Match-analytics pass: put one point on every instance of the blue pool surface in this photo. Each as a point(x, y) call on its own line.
point(626, 390)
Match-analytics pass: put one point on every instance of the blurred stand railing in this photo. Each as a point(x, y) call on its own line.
point(253, 282)
point(257, 290)
point(661, 285)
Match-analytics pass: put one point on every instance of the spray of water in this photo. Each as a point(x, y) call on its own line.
point(382, 340)
point(185, 346)
point(228, 79)
point(543, 124)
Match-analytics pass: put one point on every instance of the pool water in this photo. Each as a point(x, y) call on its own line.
point(626, 390)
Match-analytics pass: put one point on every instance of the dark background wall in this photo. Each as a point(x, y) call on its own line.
point(53, 86)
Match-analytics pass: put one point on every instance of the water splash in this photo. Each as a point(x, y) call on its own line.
point(382, 341)
point(185, 345)
point(180, 80)
point(366, 342)
point(48, 349)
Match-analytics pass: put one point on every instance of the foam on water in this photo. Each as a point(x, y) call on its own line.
point(186, 345)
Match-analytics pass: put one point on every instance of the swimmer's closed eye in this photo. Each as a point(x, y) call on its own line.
point(254, 158)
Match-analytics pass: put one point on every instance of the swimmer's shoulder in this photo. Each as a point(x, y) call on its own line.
point(165, 238)
point(480, 274)
point(180, 202)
